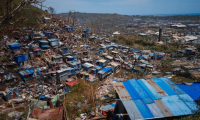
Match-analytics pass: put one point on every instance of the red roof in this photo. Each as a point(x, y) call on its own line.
point(35, 49)
point(72, 83)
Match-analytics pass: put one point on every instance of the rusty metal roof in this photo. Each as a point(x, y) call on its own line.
point(157, 88)
point(122, 92)
point(148, 99)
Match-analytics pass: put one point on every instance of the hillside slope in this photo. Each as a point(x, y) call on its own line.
point(27, 17)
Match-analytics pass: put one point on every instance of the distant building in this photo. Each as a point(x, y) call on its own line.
point(178, 26)
point(193, 26)
point(47, 20)
point(116, 33)
point(143, 34)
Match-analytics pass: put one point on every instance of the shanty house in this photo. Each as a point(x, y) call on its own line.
point(76, 55)
point(49, 34)
point(64, 51)
point(37, 52)
point(14, 46)
point(101, 62)
point(69, 28)
point(74, 64)
point(71, 83)
point(151, 99)
point(57, 58)
point(47, 20)
point(20, 58)
point(115, 66)
point(26, 74)
point(87, 67)
point(96, 69)
point(65, 73)
point(105, 72)
point(69, 58)
point(86, 60)
point(44, 44)
point(53, 42)
point(114, 53)
point(109, 58)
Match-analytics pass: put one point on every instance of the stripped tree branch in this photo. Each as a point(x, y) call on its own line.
point(11, 13)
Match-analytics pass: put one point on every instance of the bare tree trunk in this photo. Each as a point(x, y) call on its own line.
point(93, 101)
point(11, 13)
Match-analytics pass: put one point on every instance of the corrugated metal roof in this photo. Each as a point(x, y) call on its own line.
point(163, 108)
point(157, 88)
point(172, 106)
point(164, 86)
point(132, 110)
point(144, 110)
point(122, 92)
point(155, 110)
point(189, 102)
point(133, 93)
point(176, 105)
point(173, 86)
point(152, 93)
point(145, 99)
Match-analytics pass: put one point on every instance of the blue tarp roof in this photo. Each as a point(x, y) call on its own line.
point(31, 71)
point(7, 75)
point(53, 39)
point(54, 43)
point(28, 72)
point(45, 46)
point(15, 45)
point(154, 55)
point(192, 90)
point(139, 57)
point(106, 69)
point(99, 66)
point(154, 98)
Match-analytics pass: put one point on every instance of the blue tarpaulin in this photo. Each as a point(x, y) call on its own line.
point(69, 28)
point(54, 43)
point(192, 90)
point(14, 46)
point(99, 66)
point(65, 51)
point(39, 72)
point(136, 51)
point(106, 69)
point(31, 71)
point(140, 57)
point(20, 58)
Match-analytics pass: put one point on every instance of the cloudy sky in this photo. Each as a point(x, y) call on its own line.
point(127, 7)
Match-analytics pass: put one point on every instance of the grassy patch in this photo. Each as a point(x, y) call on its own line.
point(168, 60)
point(180, 79)
point(147, 43)
point(79, 99)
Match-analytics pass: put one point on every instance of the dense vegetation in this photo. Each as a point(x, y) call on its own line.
point(142, 43)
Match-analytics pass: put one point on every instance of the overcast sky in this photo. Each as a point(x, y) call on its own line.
point(127, 7)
